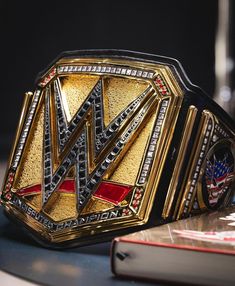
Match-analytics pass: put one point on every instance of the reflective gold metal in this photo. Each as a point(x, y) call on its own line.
point(114, 141)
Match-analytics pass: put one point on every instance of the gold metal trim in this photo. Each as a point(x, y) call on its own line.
point(152, 103)
point(206, 116)
point(188, 127)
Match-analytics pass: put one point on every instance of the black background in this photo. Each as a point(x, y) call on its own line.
point(35, 32)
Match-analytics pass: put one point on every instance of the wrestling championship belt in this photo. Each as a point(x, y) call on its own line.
point(112, 142)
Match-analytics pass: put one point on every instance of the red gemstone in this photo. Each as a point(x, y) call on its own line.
point(8, 196)
point(112, 192)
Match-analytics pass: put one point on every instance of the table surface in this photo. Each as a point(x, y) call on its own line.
point(21, 256)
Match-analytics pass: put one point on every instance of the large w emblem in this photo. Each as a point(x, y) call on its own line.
point(86, 142)
point(91, 147)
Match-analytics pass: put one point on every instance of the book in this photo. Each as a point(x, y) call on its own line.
point(199, 250)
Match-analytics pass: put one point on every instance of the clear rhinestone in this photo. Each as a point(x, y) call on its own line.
point(157, 128)
point(151, 148)
point(144, 173)
point(154, 141)
point(17, 157)
point(60, 69)
point(20, 147)
point(134, 72)
point(26, 129)
point(165, 103)
point(150, 75)
point(148, 161)
point(14, 164)
point(214, 138)
point(128, 72)
point(142, 180)
point(163, 109)
point(145, 74)
point(155, 135)
point(150, 154)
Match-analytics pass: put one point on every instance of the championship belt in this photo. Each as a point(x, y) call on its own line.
point(112, 142)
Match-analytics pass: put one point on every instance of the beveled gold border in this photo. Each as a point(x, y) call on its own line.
point(188, 127)
point(206, 116)
point(162, 148)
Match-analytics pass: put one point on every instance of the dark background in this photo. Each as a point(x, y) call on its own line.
point(35, 32)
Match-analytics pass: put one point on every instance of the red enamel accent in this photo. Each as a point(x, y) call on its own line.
point(112, 192)
point(68, 186)
point(31, 190)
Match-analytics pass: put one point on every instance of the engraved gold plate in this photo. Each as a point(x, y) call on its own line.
point(114, 141)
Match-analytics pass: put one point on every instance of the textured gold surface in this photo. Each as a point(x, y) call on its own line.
point(119, 93)
point(128, 168)
point(62, 206)
point(75, 89)
point(97, 205)
point(30, 170)
point(35, 200)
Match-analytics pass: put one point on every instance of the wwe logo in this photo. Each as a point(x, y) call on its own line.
point(218, 177)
